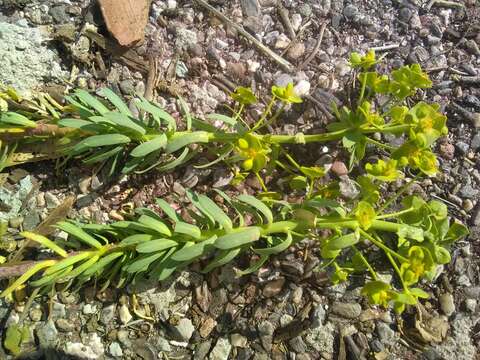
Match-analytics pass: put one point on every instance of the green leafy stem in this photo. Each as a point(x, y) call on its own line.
point(153, 245)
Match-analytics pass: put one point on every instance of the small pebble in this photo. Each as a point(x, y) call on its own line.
point(115, 350)
point(238, 340)
point(447, 304)
point(470, 305)
point(273, 287)
point(339, 168)
point(124, 314)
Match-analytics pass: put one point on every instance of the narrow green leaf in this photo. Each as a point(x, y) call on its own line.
point(155, 225)
point(224, 257)
point(12, 118)
point(168, 210)
point(142, 263)
point(79, 234)
point(27, 275)
point(155, 245)
point(83, 267)
point(42, 240)
point(51, 278)
point(215, 211)
point(150, 146)
point(175, 163)
point(103, 140)
point(91, 101)
point(188, 229)
point(157, 113)
point(223, 118)
point(179, 141)
point(238, 238)
point(257, 204)
point(125, 122)
point(191, 250)
point(73, 123)
point(254, 267)
point(115, 100)
point(102, 263)
point(342, 242)
point(132, 226)
point(193, 197)
point(186, 112)
point(68, 261)
point(282, 246)
point(97, 157)
point(136, 239)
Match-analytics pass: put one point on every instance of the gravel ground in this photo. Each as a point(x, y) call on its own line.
point(286, 310)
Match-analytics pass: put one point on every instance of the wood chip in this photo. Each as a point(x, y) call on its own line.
point(126, 19)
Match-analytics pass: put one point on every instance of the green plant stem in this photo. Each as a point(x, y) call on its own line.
point(397, 270)
point(382, 246)
point(395, 214)
point(379, 144)
point(362, 93)
point(366, 263)
point(398, 193)
point(267, 111)
point(262, 183)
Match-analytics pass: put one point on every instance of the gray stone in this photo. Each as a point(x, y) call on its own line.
point(347, 310)
point(385, 333)
point(250, 7)
point(31, 63)
point(468, 192)
point(51, 200)
point(185, 39)
point(447, 304)
point(283, 80)
point(127, 86)
point(298, 345)
point(184, 329)
point(108, 314)
point(348, 188)
point(462, 147)
point(350, 11)
point(222, 349)
point(305, 10)
point(115, 349)
point(58, 310)
point(59, 14)
point(89, 309)
point(475, 144)
point(31, 219)
point(163, 344)
point(317, 317)
point(47, 334)
point(202, 350)
point(470, 305)
point(238, 340)
point(65, 325)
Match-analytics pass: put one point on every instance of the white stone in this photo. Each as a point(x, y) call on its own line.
point(124, 314)
point(115, 350)
point(302, 88)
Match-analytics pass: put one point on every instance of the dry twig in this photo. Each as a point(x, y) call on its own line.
point(315, 49)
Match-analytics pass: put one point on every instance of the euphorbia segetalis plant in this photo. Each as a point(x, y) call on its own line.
point(414, 238)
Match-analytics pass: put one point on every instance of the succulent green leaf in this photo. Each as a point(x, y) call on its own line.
point(115, 100)
point(257, 204)
point(89, 100)
point(224, 257)
point(238, 238)
point(179, 141)
point(11, 118)
point(155, 225)
point(155, 245)
point(276, 249)
point(188, 229)
point(150, 146)
point(79, 234)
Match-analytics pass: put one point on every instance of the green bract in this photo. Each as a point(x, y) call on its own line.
point(244, 96)
point(286, 94)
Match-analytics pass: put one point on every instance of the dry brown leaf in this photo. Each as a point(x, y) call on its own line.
point(126, 19)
